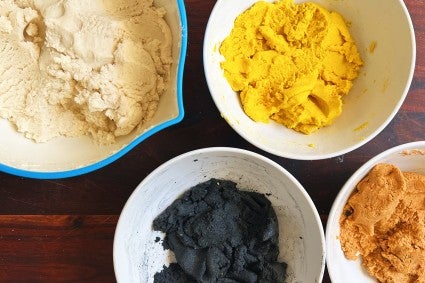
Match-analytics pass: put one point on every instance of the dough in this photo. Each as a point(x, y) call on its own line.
point(219, 233)
point(291, 63)
point(384, 223)
point(72, 68)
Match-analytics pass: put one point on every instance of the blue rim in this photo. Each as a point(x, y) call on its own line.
point(126, 149)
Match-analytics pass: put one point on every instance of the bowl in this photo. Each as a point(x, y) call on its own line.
point(137, 255)
point(407, 157)
point(386, 43)
point(65, 157)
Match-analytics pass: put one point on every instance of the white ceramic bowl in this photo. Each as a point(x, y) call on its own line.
point(408, 157)
point(375, 98)
point(66, 157)
point(137, 257)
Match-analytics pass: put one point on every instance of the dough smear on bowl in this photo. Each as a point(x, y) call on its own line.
point(384, 223)
point(73, 68)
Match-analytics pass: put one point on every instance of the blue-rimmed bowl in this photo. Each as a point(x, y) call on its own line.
point(67, 157)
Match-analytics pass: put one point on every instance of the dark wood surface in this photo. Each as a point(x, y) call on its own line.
point(62, 230)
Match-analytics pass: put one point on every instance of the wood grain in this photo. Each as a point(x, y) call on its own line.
point(62, 230)
point(56, 248)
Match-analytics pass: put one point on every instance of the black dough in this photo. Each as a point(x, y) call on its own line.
point(173, 274)
point(219, 233)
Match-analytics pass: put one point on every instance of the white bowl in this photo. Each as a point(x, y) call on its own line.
point(375, 98)
point(408, 157)
point(137, 257)
point(66, 157)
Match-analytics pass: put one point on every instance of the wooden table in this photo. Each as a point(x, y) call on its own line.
point(62, 230)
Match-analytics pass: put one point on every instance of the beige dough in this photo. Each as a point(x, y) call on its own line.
point(384, 223)
point(73, 68)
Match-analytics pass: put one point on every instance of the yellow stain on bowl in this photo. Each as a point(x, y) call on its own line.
point(311, 145)
point(348, 23)
point(362, 126)
point(372, 46)
point(225, 118)
point(215, 47)
point(385, 85)
point(411, 152)
point(230, 121)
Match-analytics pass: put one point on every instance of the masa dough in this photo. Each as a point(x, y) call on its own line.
point(291, 63)
point(384, 222)
point(72, 68)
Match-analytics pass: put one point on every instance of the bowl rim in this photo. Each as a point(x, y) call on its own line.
point(106, 161)
point(355, 145)
point(349, 185)
point(233, 150)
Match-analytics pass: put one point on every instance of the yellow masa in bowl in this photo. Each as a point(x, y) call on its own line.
point(291, 63)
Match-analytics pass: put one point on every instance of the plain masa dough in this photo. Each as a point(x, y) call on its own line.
point(73, 68)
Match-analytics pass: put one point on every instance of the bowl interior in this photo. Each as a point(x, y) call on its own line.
point(64, 157)
point(373, 101)
point(408, 157)
point(137, 256)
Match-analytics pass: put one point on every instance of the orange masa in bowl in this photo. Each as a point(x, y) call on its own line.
point(384, 223)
